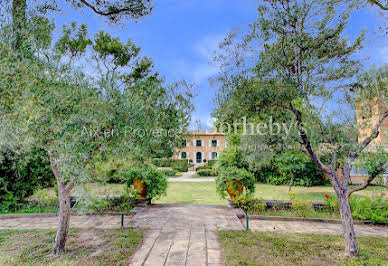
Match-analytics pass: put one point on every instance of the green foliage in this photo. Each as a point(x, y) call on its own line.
point(123, 203)
point(168, 172)
point(180, 165)
point(302, 207)
point(201, 167)
point(206, 172)
point(374, 209)
point(231, 167)
point(249, 204)
point(233, 174)
point(21, 175)
point(291, 164)
point(211, 162)
point(154, 179)
point(162, 162)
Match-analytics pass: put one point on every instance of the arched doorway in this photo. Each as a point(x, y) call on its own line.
point(198, 157)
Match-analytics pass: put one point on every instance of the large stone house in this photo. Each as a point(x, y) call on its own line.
point(200, 145)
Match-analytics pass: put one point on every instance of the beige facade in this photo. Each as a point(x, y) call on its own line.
point(199, 145)
point(366, 122)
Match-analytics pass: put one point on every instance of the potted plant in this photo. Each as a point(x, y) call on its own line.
point(148, 182)
point(233, 181)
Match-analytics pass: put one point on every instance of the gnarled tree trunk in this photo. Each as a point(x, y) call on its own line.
point(351, 247)
point(64, 217)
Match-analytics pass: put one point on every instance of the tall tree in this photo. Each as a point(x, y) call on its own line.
point(114, 11)
point(303, 65)
point(74, 116)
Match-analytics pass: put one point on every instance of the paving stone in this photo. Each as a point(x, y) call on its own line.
point(214, 256)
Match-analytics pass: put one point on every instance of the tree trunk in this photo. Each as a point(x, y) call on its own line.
point(19, 19)
point(351, 248)
point(292, 179)
point(64, 217)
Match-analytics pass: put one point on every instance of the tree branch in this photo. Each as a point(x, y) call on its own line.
point(370, 179)
point(369, 139)
point(305, 139)
point(380, 5)
point(111, 12)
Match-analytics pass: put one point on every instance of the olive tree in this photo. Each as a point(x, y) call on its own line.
point(298, 62)
point(81, 97)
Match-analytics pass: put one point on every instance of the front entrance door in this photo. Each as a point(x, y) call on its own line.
point(199, 157)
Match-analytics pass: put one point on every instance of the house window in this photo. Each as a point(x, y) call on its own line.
point(214, 155)
point(214, 143)
point(198, 143)
point(183, 155)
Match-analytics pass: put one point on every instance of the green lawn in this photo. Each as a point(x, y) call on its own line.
point(83, 247)
point(191, 193)
point(270, 248)
point(205, 193)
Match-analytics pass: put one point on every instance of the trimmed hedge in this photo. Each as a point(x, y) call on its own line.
point(206, 172)
point(179, 165)
point(202, 167)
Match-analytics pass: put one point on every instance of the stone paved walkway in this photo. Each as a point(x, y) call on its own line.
point(188, 177)
point(314, 228)
point(183, 235)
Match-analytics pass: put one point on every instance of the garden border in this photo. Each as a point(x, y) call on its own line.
point(38, 215)
point(304, 219)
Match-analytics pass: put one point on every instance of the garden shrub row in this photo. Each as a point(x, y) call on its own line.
point(287, 165)
point(363, 208)
point(180, 165)
point(206, 172)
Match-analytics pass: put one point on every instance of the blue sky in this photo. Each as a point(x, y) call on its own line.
point(180, 35)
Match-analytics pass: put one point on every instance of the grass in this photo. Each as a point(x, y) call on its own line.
point(205, 193)
point(191, 193)
point(270, 248)
point(83, 247)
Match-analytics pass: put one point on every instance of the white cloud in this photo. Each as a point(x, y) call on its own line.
point(206, 46)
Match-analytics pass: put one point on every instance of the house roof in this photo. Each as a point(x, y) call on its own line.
point(204, 133)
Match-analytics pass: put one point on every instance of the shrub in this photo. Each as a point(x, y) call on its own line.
point(168, 172)
point(294, 164)
point(123, 203)
point(249, 203)
point(180, 165)
point(110, 170)
point(202, 167)
point(211, 162)
point(206, 172)
point(154, 179)
point(374, 209)
point(162, 162)
point(190, 160)
point(302, 207)
point(21, 175)
point(234, 174)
